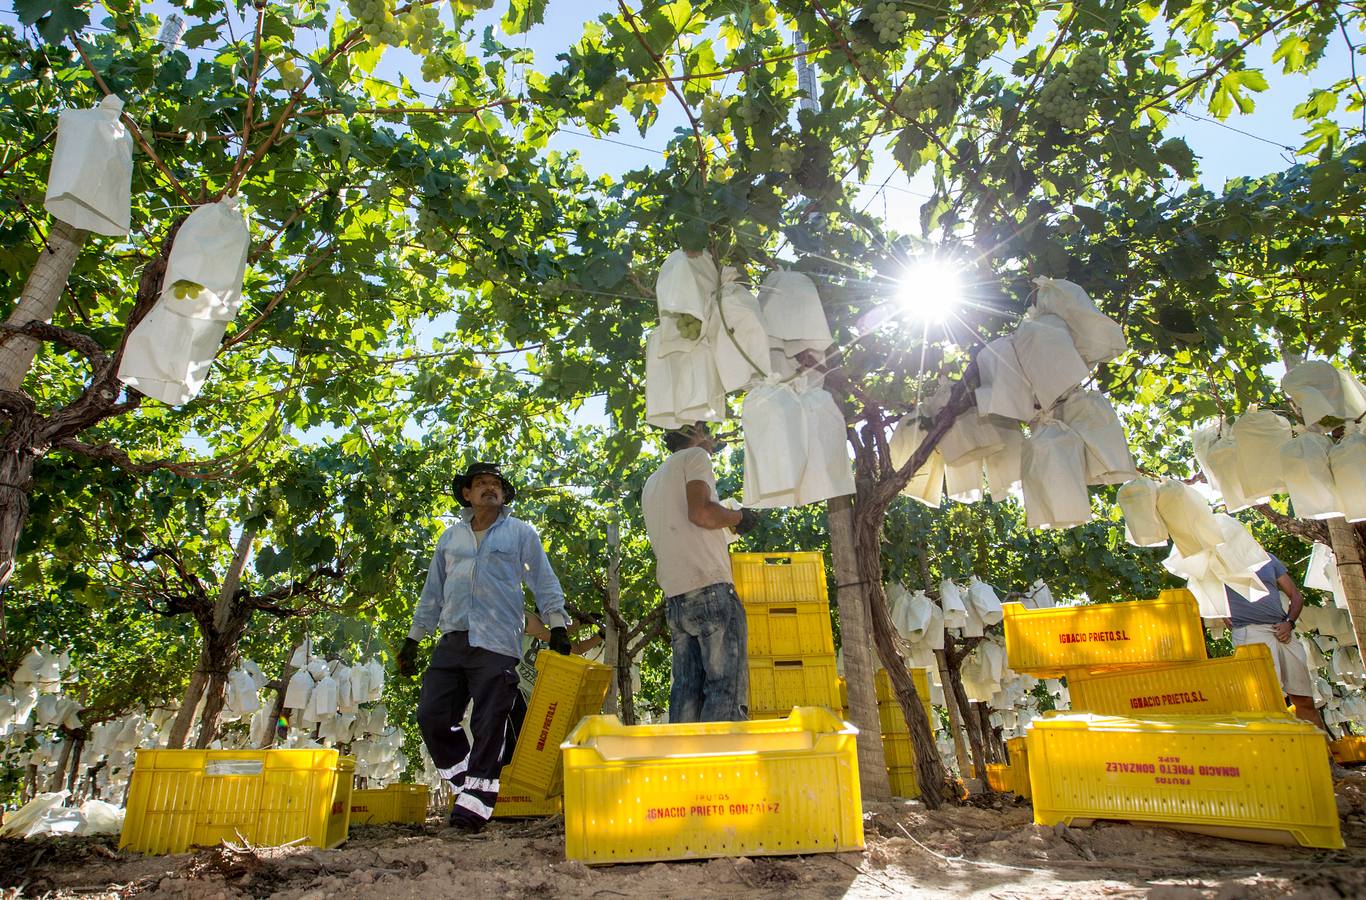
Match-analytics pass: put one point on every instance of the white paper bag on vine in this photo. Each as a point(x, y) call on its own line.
point(1098, 338)
point(1005, 391)
point(927, 484)
point(1348, 463)
point(774, 422)
point(1048, 357)
point(829, 472)
point(1323, 391)
point(1091, 415)
point(170, 352)
point(793, 313)
point(89, 185)
point(1143, 526)
point(738, 336)
point(1054, 483)
point(1260, 435)
point(1309, 478)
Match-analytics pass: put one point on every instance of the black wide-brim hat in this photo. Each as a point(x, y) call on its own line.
point(480, 468)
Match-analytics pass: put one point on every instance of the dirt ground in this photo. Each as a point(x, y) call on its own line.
point(987, 848)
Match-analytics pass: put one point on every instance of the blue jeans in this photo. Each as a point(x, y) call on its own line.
point(710, 671)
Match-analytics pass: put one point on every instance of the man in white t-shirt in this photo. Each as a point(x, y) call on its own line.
point(686, 524)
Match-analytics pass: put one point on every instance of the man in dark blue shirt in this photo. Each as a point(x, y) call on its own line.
point(1268, 622)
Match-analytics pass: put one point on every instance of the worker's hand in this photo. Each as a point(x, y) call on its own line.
point(559, 641)
point(749, 519)
point(407, 658)
point(1285, 631)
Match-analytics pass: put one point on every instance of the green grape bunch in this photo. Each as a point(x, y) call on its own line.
point(748, 111)
point(714, 113)
point(689, 327)
point(186, 290)
point(377, 20)
point(786, 156)
point(888, 21)
point(422, 29)
point(290, 74)
point(981, 45)
point(1087, 68)
point(931, 96)
point(1059, 101)
point(435, 66)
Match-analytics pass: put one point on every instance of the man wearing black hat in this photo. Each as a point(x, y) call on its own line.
point(473, 597)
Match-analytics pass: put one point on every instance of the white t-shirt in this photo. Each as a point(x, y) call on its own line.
point(688, 557)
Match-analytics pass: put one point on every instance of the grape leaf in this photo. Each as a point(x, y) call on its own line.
point(55, 18)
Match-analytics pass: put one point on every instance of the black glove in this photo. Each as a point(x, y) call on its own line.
point(407, 658)
point(559, 641)
point(749, 519)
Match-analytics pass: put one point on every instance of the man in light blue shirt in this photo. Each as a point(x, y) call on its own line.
point(474, 598)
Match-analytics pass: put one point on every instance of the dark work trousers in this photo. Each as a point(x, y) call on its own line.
point(459, 674)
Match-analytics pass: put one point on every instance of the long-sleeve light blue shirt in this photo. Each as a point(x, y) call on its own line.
point(476, 586)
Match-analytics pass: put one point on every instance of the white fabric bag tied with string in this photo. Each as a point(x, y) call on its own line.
point(1260, 434)
point(1091, 415)
point(1004, 466)
point(985, 601)
point(1143, 526)
point(1188, 517)
point(963, 481)
point(89, 184)
point(973, 437)
point(951, 602)
point(1098, 338)
point(773, 419)
point(829, 472)
point(1048, 357)
point(927, 484)
point(1347, 461)
point(686, 285)
point(681, 388)
point(1323, 391)
point(1005, 390)
point(1224, 472)
point(793, 313)
point(170, 351)
point(1308, 478)
point(738, 336)
point(1054, 466)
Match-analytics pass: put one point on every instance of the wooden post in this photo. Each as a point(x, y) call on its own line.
point(860, 663)
point(1351, 557)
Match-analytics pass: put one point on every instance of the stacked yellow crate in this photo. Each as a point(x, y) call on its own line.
point(791, 645)
point(1160, 733)
point(896, 736)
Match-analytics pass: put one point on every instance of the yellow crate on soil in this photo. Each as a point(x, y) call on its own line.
point(567, 689)
point(998, 777)
point(1253, 777)
point(1018, 753)
point(1243, 682)
point(903, 781)
point(777, 684)
point(789, 629)
point(689, 791)
point(890, 718)
point(395, 803)
point(178, 799)
point(782, 578)
point(1349, 750)
point(514, 803)
point(1047, 643)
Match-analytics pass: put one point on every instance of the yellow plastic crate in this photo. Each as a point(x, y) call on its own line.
point(1018, 753)
point(791, 629)
point(514, 803)
point(178, 799)
point(998, 777)
point(1252, 777)
point(777, 684)
point(1243, 682)
point(1047, 643)
point(690, 791)
point(890, 717)
point(1349, 750)
point(897, 751)
point(903, 781)
point(782, 578)
point(567, 689)
point(405, 803)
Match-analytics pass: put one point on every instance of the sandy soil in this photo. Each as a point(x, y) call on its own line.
point(987, 848)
